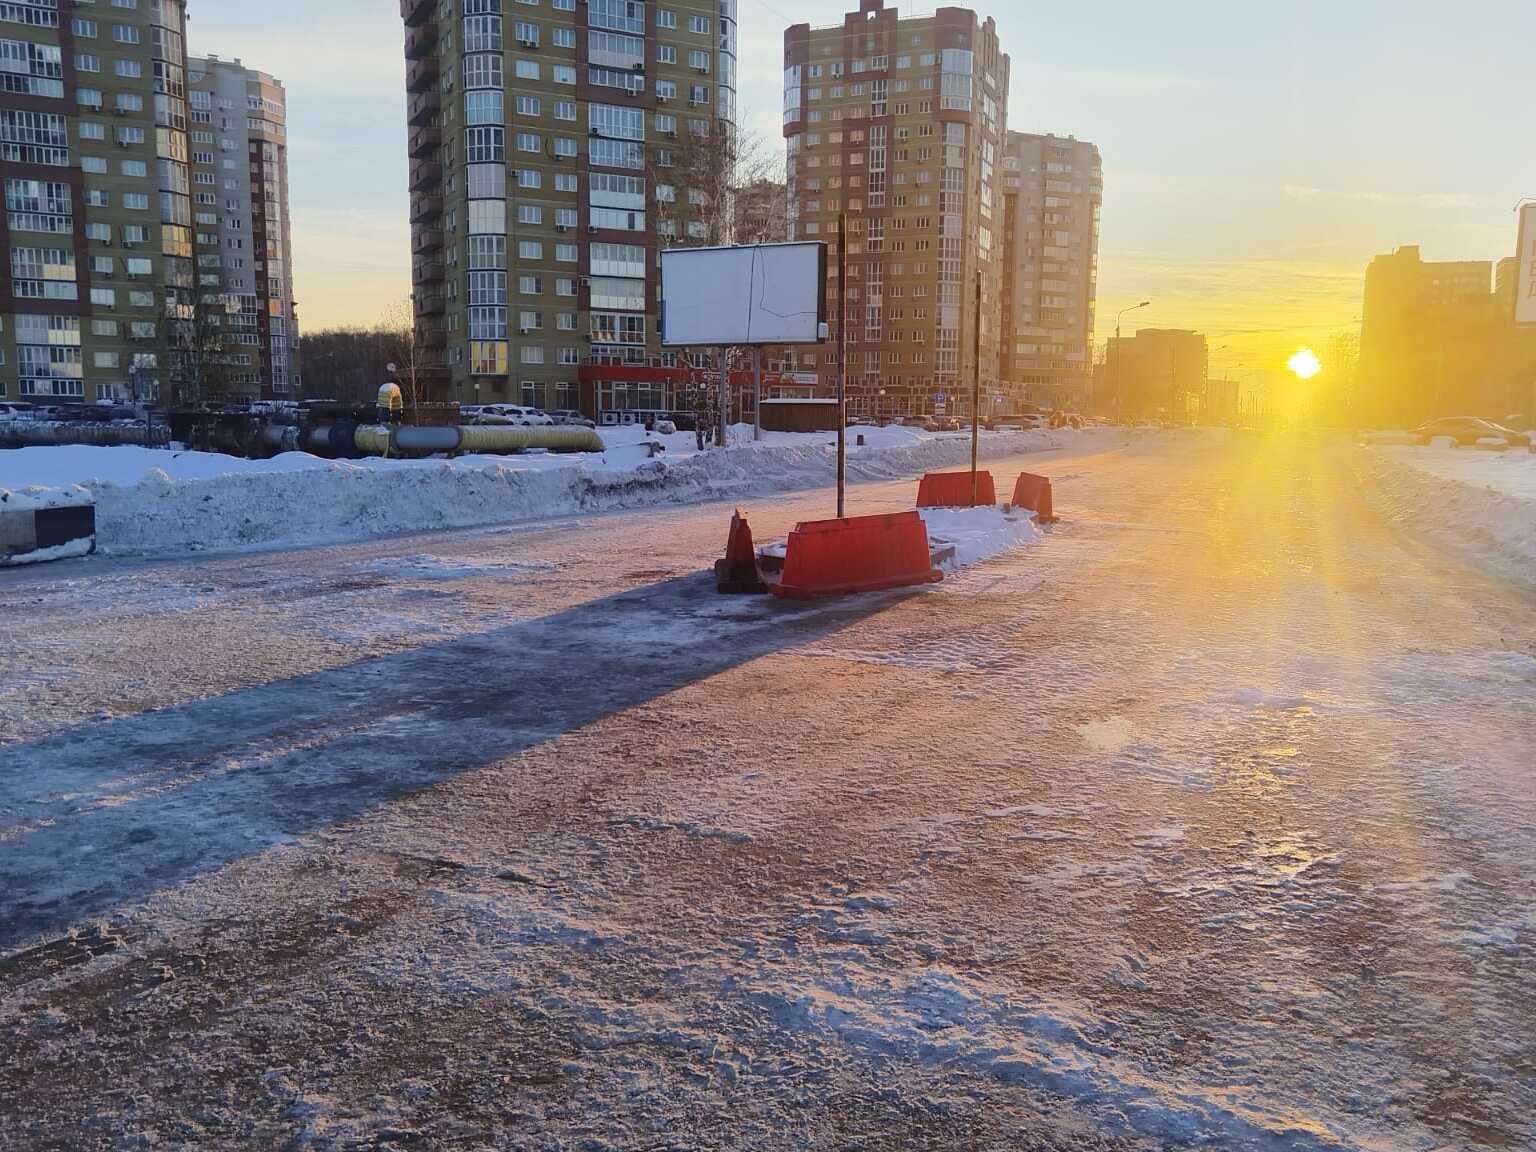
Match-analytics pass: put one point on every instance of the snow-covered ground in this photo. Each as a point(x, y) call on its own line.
point(1480, 499)
point(151, 501)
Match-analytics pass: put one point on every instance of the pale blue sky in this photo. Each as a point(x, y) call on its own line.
point(1256, 155)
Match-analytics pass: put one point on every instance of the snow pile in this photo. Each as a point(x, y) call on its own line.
point(1482, 500)
point(160, 501)
point(36, 497)
point(977, 533)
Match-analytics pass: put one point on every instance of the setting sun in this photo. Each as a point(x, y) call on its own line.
point(1305, 364)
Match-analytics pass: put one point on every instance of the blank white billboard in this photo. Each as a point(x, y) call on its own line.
point(747, 294)
point(1525, 285)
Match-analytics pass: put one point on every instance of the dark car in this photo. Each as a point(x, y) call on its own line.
point(1468, 430)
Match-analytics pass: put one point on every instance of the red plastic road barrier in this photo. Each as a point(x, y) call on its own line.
point(953, 490)
point(738, 571)
point(1034, 493)
point(856, 554)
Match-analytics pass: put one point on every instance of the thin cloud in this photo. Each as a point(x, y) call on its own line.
point(1371, 196)
point(1121, 80)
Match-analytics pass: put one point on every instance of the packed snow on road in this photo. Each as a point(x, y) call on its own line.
point(1200, 819)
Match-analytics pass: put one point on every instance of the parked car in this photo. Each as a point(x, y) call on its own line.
point(943, 424)
point(1017, 422)
point(571, 417)
point(861, 421)
point(15, 409)
point(915, 422)
point(514, 414)
point(1467, 430)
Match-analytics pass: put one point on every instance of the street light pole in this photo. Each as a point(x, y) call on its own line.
point(1120, 352)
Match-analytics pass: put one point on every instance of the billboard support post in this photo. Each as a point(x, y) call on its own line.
point(757, 393)
point(842, 358)
point(724, 397)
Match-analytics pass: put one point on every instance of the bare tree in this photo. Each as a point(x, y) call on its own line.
point(710, 166)
point(199, 341)
point(407, 352)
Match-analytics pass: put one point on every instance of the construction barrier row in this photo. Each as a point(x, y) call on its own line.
point(52, 526)
point(953, 490)
point(864, 553)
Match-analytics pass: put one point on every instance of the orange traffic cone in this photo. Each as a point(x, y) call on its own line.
point(737, 573)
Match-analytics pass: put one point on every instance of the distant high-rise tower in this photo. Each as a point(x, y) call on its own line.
point(96, 236)
point(239, 154)
point(1052, 189)
point(900, 124)
point(554, 151)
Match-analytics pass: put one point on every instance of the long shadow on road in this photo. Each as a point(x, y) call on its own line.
point(112, 811)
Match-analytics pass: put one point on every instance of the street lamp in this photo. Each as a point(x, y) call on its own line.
point(1120, 352)
point(879, 405)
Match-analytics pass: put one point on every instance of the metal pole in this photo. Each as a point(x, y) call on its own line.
point(1119, 351)
point(976, 391)
point(842, 359)
point(757, 393)
point(725, 399)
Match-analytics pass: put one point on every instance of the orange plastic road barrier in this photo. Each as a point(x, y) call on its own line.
point(738, 571)
point(1034, 493)
point(953, 490)
point(856, 554)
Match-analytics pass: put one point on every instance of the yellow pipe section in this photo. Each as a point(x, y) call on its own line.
point(552, 438)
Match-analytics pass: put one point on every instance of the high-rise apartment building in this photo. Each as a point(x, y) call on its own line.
point(1052, 189)
point(1157, 374)
point(554, 151)
point(1438, 338)
point(900, 124)
point(239, 161)
point(97, 230)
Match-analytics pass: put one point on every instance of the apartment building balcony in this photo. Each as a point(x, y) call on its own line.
point(421, 74)
point(424, 240)
point(433, 335)
point(426, 174)
point(421, 40)
point(427, 138)
point(425, 208)
point(429, 305)
point(428, 272)
point(413, 12)
point(424, 107)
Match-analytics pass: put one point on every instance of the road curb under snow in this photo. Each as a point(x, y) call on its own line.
point(338, 501)
point(1497, 525)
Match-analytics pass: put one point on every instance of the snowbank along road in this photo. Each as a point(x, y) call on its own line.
point(1205, 820)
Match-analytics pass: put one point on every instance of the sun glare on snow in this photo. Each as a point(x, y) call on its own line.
point(1305, 364)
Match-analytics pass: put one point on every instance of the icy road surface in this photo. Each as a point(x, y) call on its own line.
point(1207, 820)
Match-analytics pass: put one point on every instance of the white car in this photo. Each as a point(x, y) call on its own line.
point(514, 414)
